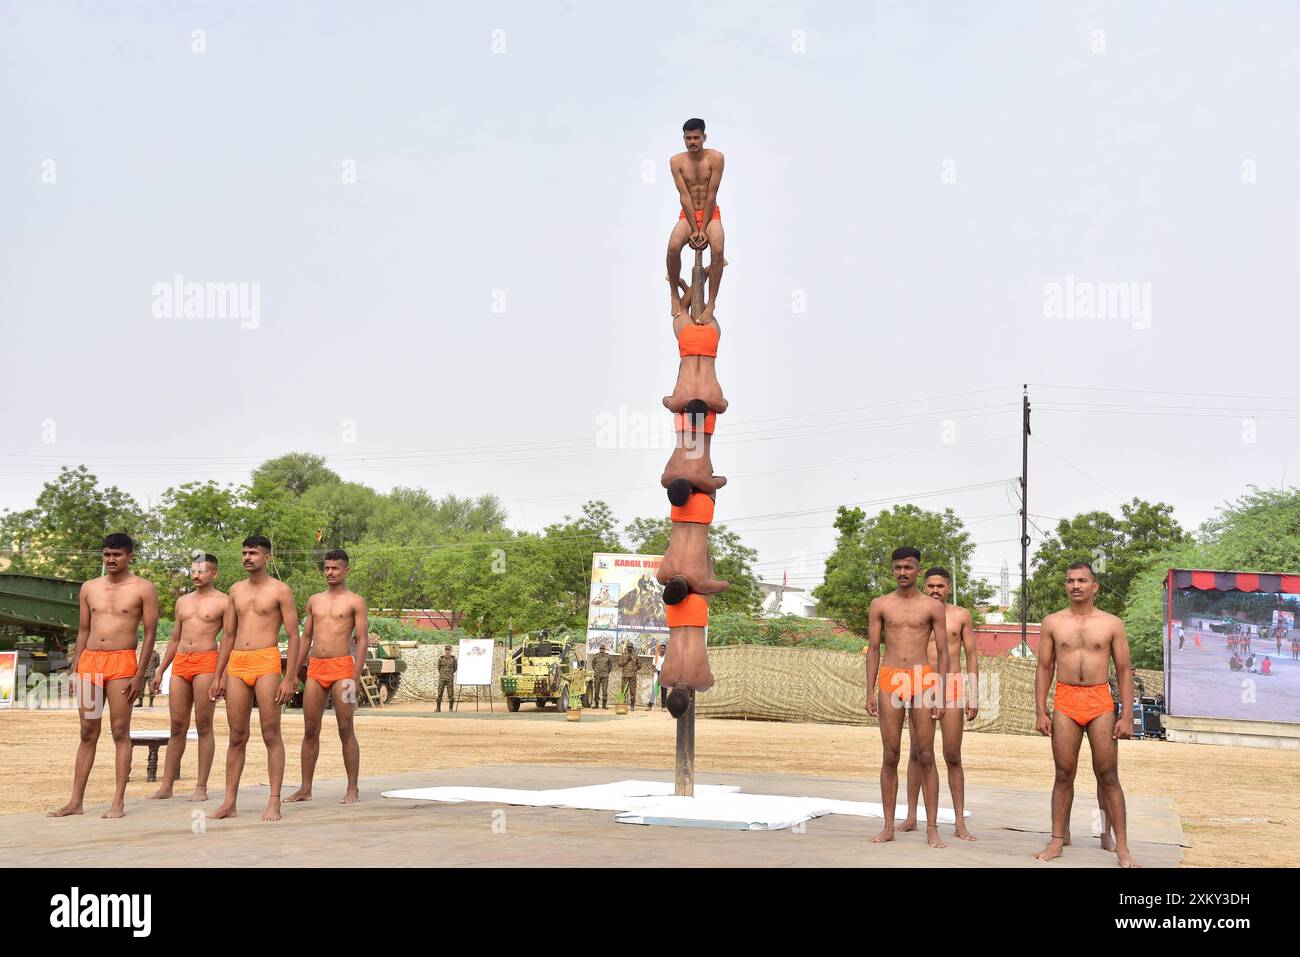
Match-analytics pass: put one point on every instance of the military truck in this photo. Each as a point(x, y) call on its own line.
point(38, 619)
point(384, 663)
point(539, 670)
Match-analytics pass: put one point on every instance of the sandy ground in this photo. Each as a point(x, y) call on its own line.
point(1202, 683)
point(1237, 805)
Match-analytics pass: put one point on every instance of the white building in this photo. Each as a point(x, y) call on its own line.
point(781, 600)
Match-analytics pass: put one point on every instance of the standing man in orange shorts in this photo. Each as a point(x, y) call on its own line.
point(248, 670)
point(1077, 645)
point(192, 654)
point(333, 671)
point(906, 618)
point(960, 703)
point(105, 668)
point(697, 173)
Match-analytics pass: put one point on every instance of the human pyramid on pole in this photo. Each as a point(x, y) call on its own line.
point(696, 401)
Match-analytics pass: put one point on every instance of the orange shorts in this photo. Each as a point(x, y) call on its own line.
point(1083, 704)
point(691, 612)
point(189, 665)
point(697, 510)
point(102, 666)
point(326, 671)
point(903, 681)
point(682, 422)
point(248, 666)
point(699, 215)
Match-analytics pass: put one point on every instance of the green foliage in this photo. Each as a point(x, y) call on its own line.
point(295, 472)
point(1119, 549)
point(733, 561)
point(859, 570)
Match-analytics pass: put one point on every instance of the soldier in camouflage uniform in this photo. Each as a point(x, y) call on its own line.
point(447, 678)
point(601, 665)
point(629, 664)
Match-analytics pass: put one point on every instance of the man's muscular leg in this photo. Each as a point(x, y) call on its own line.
point(676, 240)
point(1110, 796)
point(921, 728)
point(913, 787)
point(204, 708)
point(313, 712)
point(1066, 738)
point(891, 737)
point(716, 263)
point(345, 706)
point(239, 716)
point(119, 725)
point(952, 726)
point(268, 716)
point(179, 700)
point(90, 711)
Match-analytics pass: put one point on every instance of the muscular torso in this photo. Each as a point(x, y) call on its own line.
point(116, 610)
point(907, 627)
point(691, 461)
point(200, 618)
point(696, 170)
point(954, 616)
point(258, 608)
point(334, 618)
point(687, 554)
point(1082, 646)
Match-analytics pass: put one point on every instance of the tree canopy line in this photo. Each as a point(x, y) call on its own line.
point(412, 550)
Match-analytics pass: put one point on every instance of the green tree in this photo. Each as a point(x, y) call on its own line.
point(859, 570)
point(62, 534)
point(1119, 549)
point(295, 472)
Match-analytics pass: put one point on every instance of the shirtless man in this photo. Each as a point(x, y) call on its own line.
point(961, 694)
point(697, 173)
point(249, 669)
point(333, 671)
point(105, 667)
point(1077, 645)
point(686, 565)
point(906, 618)
point(690, 466)
point(192, 655)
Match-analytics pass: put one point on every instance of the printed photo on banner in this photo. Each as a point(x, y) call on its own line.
point(625, 602)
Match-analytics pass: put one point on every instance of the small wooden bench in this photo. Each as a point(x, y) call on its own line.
point(154, 740)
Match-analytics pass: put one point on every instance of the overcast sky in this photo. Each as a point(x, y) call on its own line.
point(453, 220)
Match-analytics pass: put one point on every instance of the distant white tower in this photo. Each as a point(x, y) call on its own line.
point(1006, 584)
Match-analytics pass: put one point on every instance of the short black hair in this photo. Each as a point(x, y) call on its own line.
point(907, 551)
point(1076, 565)
point(675, 591)
point(337, 555)
point(257, 541)
point(204, 557)
point(694, 123)
point(936, 570)
point(679, 490)
point(119, 540)
point(678, 701)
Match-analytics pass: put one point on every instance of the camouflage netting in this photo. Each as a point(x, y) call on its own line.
point(828, 687)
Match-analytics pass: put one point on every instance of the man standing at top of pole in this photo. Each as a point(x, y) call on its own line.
point(697, 173)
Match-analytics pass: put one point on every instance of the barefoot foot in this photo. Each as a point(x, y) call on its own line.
point(932, 836)
point(272, 812)
point(1107, 841)
point(1125, 858)
point(227, 809)
point(908, 825)
point(302, 794)
point(352, 797)
point(961, 832)
point(200, 794)
point(115, 810)
point(164, 793)
point(72, 807)
point(1053, 849)
point(884, 837)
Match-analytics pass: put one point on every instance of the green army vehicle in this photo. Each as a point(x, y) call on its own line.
point(38, 619)
point(539, 670)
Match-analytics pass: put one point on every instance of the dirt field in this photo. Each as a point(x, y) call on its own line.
point(1237, 805)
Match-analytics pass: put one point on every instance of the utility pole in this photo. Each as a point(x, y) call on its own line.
point(1024, 526)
